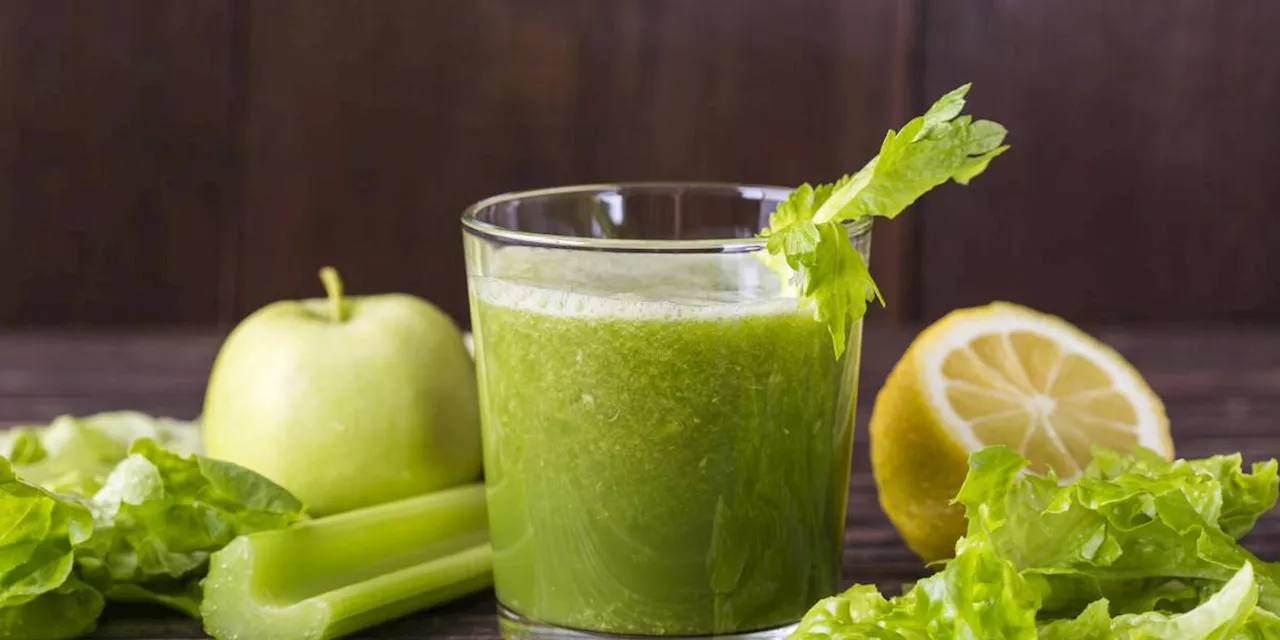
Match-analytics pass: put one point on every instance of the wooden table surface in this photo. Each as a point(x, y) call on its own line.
point(1221, 387)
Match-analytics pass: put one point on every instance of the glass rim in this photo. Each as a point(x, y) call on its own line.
point(473, 225)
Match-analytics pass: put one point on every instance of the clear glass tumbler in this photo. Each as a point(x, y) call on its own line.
point(667, 430)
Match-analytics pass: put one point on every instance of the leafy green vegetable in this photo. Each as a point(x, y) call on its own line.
point(807, 231)
point(336, 575)
point(38, 536)
point(1230, 613)
point(95, 509)
point(1127, 527)
point(68, 610)
point(1139, 547)
point(159, 516)
point(74, 455)
point(980, 595)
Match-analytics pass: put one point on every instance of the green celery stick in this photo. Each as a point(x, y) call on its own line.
point(337, 575)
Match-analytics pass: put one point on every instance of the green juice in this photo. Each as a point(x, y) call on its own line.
point(667, 444)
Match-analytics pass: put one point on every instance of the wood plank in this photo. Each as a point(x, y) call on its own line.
point(896, 259)
point(117, 145)
point(1143, 139)
point(370, 131)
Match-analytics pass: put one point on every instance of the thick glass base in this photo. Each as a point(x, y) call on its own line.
point(516, 627)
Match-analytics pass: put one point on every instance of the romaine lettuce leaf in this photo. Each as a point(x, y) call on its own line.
point(39, 532)
point(112, 507)
point(1128, 527)
point(21, 445)
point(1138, 547)
point(160, 515)
point(74, 455)
point(1230, 613)
point(66, 611)
point(979, 595)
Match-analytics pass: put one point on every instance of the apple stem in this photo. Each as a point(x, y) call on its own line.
point(333, 287)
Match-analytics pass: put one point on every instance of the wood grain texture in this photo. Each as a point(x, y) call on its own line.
point(1221, 389)
point(116, 151)
point(370, 131)
point(184, 163)
point(1141, 183)
point(896, 258)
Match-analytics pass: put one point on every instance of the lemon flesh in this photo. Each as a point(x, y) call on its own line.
point(999, 375)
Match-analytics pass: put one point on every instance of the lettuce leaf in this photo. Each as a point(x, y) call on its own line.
point(980, 595)
point(1230, 613)
point(67, 610)
point(74, 455)
point(1138, 547)
point(39, 533)
point(1130, 526)
point(160, 515)
point(112, 507)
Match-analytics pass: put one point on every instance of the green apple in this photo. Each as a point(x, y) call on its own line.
point(346, 402)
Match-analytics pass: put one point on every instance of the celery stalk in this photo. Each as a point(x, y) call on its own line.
point(336, 575)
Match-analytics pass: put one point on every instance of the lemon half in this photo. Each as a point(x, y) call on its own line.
point(999, 374)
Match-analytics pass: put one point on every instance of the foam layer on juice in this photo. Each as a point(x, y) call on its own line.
point(523, 297)
point(690, 287)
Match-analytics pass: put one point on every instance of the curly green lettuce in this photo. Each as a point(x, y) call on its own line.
point(145, 534)
point(1139, 547)
point(39, 533)
point(160, 515)
point(75, 454)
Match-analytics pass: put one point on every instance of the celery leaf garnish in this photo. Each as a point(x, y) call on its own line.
point(808, 231)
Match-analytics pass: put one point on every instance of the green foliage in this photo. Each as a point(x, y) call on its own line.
point(1139, 547)
point(95, 509)
point(808, 231)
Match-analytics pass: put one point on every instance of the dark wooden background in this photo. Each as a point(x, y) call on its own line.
point(185, 162)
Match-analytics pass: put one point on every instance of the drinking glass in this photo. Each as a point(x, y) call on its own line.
point(667, 428)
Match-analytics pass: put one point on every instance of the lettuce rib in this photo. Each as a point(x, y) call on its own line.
point(337, 575)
